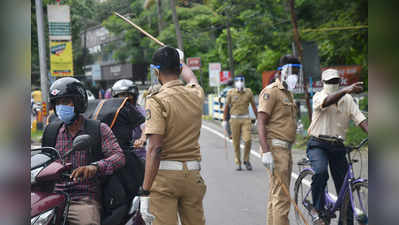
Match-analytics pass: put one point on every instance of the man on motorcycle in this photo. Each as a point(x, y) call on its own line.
point(68, 98)
point(126, 88)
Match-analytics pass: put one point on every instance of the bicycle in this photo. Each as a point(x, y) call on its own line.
point(353, 193)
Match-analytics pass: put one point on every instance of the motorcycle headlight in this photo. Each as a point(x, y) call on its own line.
point(34, 173)
point(43, 218)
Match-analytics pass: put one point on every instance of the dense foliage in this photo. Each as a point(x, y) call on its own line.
point(261, 32)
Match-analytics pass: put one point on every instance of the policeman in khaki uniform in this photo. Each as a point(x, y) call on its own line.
point(238, 100)
point(277, 131)
point(173, 121)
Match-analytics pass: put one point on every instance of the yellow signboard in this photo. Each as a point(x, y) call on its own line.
point(61, 60)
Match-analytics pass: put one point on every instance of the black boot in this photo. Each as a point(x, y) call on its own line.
point(238, 167)
point(248, 165)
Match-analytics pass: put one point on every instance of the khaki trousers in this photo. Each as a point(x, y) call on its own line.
point(84, 212)
point(278, 206)
point(241, 127)
point(178, 192)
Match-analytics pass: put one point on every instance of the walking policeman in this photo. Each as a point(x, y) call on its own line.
point(173, 121)
point(277, 131)
point(238, 100)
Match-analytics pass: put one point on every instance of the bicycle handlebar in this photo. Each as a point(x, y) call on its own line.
point(364, 141)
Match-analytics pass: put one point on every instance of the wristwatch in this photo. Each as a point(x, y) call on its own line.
point(143, 192)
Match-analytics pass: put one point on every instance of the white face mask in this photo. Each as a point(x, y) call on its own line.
point(330, 88)
point(289, 77)
point(239, 85)
point(291, 81)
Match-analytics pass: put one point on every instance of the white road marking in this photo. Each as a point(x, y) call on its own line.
point(256, 154)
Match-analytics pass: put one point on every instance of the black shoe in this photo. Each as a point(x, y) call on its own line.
point(238, 167)
point(248, 165)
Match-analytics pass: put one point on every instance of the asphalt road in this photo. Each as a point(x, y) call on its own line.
point(240, 197)
point(237, 197)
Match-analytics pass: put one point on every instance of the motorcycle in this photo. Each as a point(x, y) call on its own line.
point(49, 207)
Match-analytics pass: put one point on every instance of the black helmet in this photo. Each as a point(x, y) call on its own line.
point(125, 86)
point(69, 87)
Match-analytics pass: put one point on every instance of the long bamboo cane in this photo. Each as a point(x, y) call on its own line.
point(140, 29)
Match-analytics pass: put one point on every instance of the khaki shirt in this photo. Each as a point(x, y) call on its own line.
point(334, 119)
point(239, 101)
point(175, 112)
point(278, 103)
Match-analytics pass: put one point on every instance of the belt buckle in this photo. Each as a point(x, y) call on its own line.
point(280, 143)
point(195, 165)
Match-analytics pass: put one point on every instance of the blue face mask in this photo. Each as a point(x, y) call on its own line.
point(65, 113)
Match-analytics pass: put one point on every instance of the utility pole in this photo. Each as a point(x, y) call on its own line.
point(42, 51)
point(177, 26)
point(230, 45)
point(160, 20)
point(299, 48)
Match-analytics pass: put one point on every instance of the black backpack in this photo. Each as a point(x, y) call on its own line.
point(122, 117)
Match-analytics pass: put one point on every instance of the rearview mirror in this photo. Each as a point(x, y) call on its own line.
point(82, 143)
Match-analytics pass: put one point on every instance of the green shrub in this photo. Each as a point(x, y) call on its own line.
point(36, 135)
point(354, 133)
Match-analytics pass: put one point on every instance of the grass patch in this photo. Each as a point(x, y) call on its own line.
point(206, 117)
point(301, 141)
point(36, 135)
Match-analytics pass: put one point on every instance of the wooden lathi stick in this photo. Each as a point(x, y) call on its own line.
point(140, 29)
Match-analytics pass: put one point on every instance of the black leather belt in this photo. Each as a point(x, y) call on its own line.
point(327, 139)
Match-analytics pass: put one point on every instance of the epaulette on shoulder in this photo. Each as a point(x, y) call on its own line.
point(191, 85)
point(153, 93)
point(272, 85)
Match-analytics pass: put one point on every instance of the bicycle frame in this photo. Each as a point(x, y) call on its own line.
point(333, 205)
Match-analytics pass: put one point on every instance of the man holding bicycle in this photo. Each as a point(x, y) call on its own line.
point(333, 108)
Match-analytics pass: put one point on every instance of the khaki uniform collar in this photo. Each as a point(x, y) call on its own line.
point(279, 84)
point(171, 84)
point(237, 91)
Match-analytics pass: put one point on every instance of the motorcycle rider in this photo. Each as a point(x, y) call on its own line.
point(126, 88)
point(68, 98)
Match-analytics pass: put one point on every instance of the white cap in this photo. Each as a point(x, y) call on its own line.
point(329, 74)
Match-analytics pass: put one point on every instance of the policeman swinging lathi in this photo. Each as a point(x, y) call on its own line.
point(277, 131)
point(173, 184)
point(237, 102)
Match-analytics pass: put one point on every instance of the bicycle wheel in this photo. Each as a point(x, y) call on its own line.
point(360, 200)
point(303, 196)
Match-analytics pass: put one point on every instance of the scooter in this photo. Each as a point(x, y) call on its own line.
point(50, 207)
